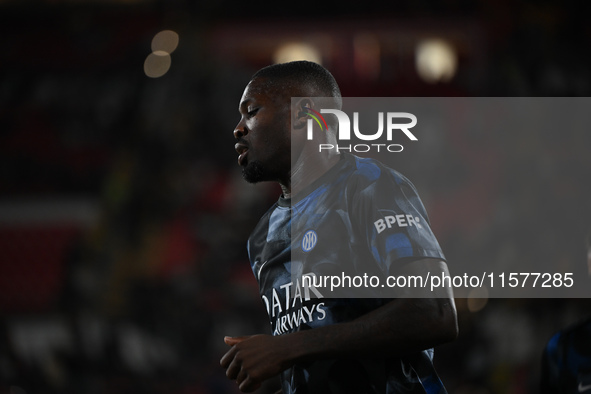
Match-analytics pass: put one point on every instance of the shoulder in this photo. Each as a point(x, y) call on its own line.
point(370, 170)
point(371, 178)
point(577, 335)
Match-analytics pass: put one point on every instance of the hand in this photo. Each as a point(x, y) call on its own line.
point(254, 359)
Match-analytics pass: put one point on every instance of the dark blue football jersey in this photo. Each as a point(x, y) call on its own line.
point(566, 366)
point(359, 218)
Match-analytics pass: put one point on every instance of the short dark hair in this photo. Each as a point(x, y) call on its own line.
point(301, 77)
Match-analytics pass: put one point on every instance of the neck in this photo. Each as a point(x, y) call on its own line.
point(305, 171)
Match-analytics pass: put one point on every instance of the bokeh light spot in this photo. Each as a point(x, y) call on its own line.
point(157, 64)
point(436, 60)
point(293, 51)
point(165, 41)
point(477, 299)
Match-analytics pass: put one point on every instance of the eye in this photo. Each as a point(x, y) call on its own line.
point(252, 112)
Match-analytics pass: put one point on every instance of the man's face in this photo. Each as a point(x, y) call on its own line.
point(263, 134)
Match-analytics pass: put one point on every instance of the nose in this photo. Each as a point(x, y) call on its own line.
point(240, 130)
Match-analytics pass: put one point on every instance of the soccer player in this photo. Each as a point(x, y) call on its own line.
point(566, 360)
point(323, 344)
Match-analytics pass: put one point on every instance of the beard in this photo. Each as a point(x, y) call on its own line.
point(255, 172)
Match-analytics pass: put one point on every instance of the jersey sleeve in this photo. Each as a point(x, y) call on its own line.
point(392, 219)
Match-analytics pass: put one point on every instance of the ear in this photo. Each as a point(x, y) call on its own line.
point(299, 117)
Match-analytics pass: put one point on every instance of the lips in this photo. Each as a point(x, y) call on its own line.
point(242, 150)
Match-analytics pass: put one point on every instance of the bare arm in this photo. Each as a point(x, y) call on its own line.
point(402, 326)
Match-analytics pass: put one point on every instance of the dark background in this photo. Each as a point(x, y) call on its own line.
point(124, 219)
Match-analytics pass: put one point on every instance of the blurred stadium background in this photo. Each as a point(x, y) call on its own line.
point(123, 216)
